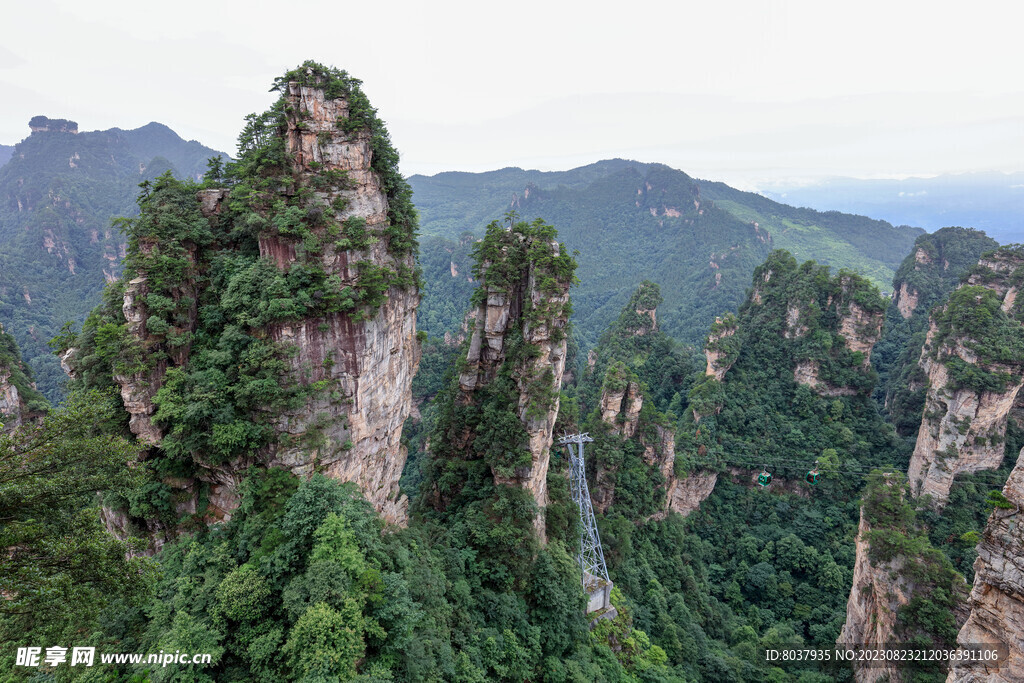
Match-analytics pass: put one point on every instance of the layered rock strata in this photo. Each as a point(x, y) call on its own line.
point(719, 352)
point(963, 426)
point(368, 364)
point(878, 591)
point(358, 367)
point(620, 411)
point(540, 317)
point(997, 599)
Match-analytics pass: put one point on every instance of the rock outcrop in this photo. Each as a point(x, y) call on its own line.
point(858, 327)
point(974, 376)
point(685, 494)
point(997, 599)
point(19, 399)
point(895, 566)
point(350, 368)
point(43, 124)
point(522, 303)
point(878, 591)
point(906, 300)
point(925, 278)
point(721, 350)
point(829, 323)
point(368, 363)
point(620, 406)
point(12, 408)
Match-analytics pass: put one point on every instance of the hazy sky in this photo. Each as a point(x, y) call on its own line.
point(745, 92)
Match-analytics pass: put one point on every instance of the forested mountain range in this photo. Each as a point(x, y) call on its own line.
point(59, 193)
point(246, 393)
point(632, 221)
point(5, 153)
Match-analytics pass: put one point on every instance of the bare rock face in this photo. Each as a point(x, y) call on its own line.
point(794, 330)
point(12, 407)
point(963, 427)
point(628, 402)
point(906, 300)
point(505, 310)
point(353, 430)
point(997, 599)
point(860, 329)
point(358, 366)
point(717, 351)
point(685, 495)
point(620, 410)
point(138, 389)
point(18, 394)
point(871, 609)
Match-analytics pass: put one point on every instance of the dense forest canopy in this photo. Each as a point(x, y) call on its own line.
point(119, 536)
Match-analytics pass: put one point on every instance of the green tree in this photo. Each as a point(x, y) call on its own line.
point(60, 566)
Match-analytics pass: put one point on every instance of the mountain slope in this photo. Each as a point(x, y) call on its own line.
point(58, 195)
point(5, 153)
point(993, 202)
point(924, 279)
point(630, 221)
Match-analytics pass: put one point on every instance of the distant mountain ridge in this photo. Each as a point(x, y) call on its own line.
point(631, 221)
point(5, 153)
point(59, 192)
point(993, 202)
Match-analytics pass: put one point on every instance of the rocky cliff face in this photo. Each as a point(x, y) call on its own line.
point(974, 377)
point(896, 571)
point(332, 219)
point(620, 407)
point(997, 599)
point(926, 277)
point(12, 408)
point(829, 323)
point(687, 493)
point(906, 299)
point(875, 599)
point(43, 124)
point(907, 293)
point(19, 399)
point(371, 363)
point(858, 328)
point(513, 306)
point(721, 350)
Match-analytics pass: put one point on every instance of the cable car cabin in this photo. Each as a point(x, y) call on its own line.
point(813, 476)
point(764, 478)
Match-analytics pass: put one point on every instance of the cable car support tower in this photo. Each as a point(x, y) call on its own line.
point(596, 583)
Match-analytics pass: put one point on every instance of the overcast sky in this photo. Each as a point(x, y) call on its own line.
point(747, 92)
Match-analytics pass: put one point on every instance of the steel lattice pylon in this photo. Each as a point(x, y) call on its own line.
point(591, 557)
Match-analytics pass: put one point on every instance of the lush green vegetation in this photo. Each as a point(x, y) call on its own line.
point(948, 254)
point(16, 373)
point(900, 545)
point(633, 221)
point(842, 240)
point(303, 583)
point(62, 575)
point(631, 351)
point(752, 567)
point(480, 437)
point(204, 299)
point(58, 195)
